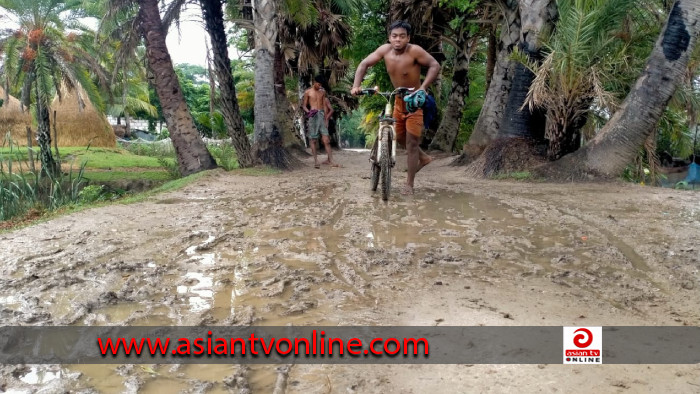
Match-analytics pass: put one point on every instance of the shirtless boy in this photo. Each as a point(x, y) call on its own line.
point(318, 109)
point(403, 63)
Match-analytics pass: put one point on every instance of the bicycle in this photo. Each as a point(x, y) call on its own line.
point(383, 154)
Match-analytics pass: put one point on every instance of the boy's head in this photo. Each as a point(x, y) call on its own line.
point(318, 82)
point(399, 34)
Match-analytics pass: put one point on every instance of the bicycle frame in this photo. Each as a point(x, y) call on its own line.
point(381, 166)
point(386, 119)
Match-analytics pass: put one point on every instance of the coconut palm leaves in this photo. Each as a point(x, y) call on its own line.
point(584, 55)
point(49, 49)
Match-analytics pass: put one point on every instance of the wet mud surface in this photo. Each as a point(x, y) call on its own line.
point(315, 247)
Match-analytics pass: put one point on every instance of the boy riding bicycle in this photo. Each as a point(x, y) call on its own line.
point(403, 63)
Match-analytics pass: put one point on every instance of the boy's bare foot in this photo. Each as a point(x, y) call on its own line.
point(407, 191)
point(422, 162)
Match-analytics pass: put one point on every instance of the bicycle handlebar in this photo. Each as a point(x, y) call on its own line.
point(399, 90)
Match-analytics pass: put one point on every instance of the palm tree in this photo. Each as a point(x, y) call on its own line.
point(213, 16)
point(490, 120)
point(41, 54)
point(131, 25)
point(268, 137)
point(616, 145)
point(212, 12)
point(192, 154)
point(581, 60)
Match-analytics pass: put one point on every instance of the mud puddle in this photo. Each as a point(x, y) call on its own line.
point(322, 250)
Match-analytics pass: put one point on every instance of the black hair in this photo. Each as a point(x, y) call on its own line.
point(400, 25)
point(319, 78)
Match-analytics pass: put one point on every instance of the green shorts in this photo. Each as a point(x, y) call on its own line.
point(317, 125)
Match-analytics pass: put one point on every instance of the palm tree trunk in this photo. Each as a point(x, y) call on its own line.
point(192, 154)
point(490, 56)
point(212, 11)
point(446, 135)
point(616, 145)
point(518, 121)
point(127, 121)
point(489, 122)
point(285, 111)
point(268, 136)
point(49, 165)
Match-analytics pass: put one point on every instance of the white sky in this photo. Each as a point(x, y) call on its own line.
point(187, 46)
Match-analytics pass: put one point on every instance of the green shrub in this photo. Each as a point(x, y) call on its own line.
point(225, 155)
point(90, 193)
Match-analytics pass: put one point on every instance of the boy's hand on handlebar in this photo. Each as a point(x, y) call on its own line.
point(355, 90)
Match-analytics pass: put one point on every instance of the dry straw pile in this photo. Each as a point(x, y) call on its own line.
point(75, 126)
point(14, 121)
point(80, 127)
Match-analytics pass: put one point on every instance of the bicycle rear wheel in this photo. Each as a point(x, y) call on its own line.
point(385, 163)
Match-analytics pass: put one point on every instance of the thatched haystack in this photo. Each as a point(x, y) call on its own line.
point(80, 127)
point(14, 122)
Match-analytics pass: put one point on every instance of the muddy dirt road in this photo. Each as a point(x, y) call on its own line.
point(314, 247)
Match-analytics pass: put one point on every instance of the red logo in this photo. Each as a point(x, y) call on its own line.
point(583, 340)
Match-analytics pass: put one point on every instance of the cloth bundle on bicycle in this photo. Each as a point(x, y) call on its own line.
point(429, 112)
point(415, 100)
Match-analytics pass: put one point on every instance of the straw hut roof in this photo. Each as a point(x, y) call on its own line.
point(14, 121)
point(78, 126)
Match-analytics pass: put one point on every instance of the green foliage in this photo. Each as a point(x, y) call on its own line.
point(90, 193)
point(170, 166)
point(22, 190)
point(369, 33)
point(351, 130)
point(225, 155)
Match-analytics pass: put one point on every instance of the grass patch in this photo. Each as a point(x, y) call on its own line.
point(517, 176)
point(258, 171)
point(112, 176)
point(97, 158)
point(166, 187)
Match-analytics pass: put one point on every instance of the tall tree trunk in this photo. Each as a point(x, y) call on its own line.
point(49, 165)
point(268, 136)
point(536, 17)
point(519, 121)
point(212, 86)
point(489, 122)
point(446, 135)
point(616, 145)
point(192, 154)
point(127, 121)
point(490, 56)
point(285, 111)
point(212, 11)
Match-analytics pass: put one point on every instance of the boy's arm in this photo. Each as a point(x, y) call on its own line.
point(327, 107)
point(425, 59)
point(305, 102)
point(368, 62)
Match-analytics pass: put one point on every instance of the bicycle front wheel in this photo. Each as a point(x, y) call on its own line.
point(376, 169)
point(385, 162)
